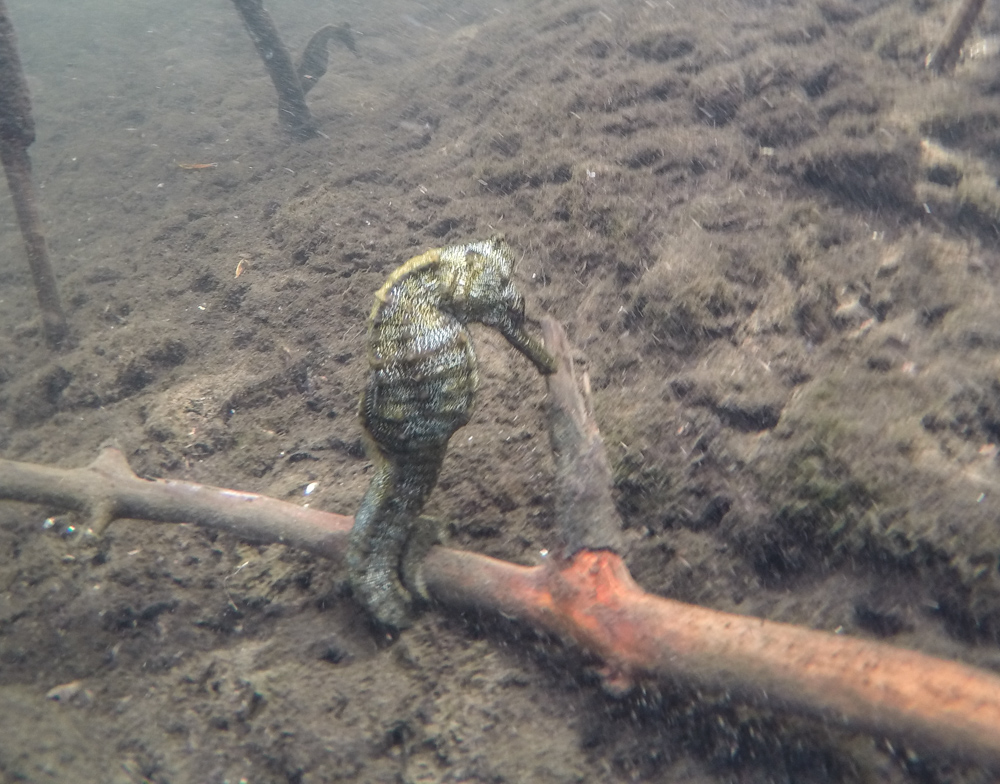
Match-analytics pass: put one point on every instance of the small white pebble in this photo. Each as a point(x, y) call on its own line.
point(64, 692)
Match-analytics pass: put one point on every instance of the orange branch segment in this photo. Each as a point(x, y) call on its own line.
point(592, 600)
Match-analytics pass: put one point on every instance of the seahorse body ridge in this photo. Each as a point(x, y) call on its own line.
point(421, 389)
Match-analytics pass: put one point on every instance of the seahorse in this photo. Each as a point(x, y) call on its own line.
point(421, 388)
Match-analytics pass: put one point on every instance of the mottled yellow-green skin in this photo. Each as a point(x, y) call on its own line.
point(421, 389)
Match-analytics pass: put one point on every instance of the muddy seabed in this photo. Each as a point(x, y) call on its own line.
point(772, 236)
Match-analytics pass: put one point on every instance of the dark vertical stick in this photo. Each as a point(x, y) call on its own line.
point(945, 54)
point(293, 113)
point(17, 132)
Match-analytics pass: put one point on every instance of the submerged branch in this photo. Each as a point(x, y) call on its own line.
point(586, 595)
point(945, 54)
point(293, 112)
point(17, 132)
point(292, 82)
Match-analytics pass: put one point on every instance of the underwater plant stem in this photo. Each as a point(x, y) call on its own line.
point(586, 595)
point(586, 517)
point(293, 112)
point(945, 54)
point(17, 132)
point(315, 57)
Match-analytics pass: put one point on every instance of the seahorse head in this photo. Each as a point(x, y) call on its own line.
point(482, 288)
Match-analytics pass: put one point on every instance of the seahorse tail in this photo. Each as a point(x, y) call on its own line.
point(379, 544)
point(373, 553)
